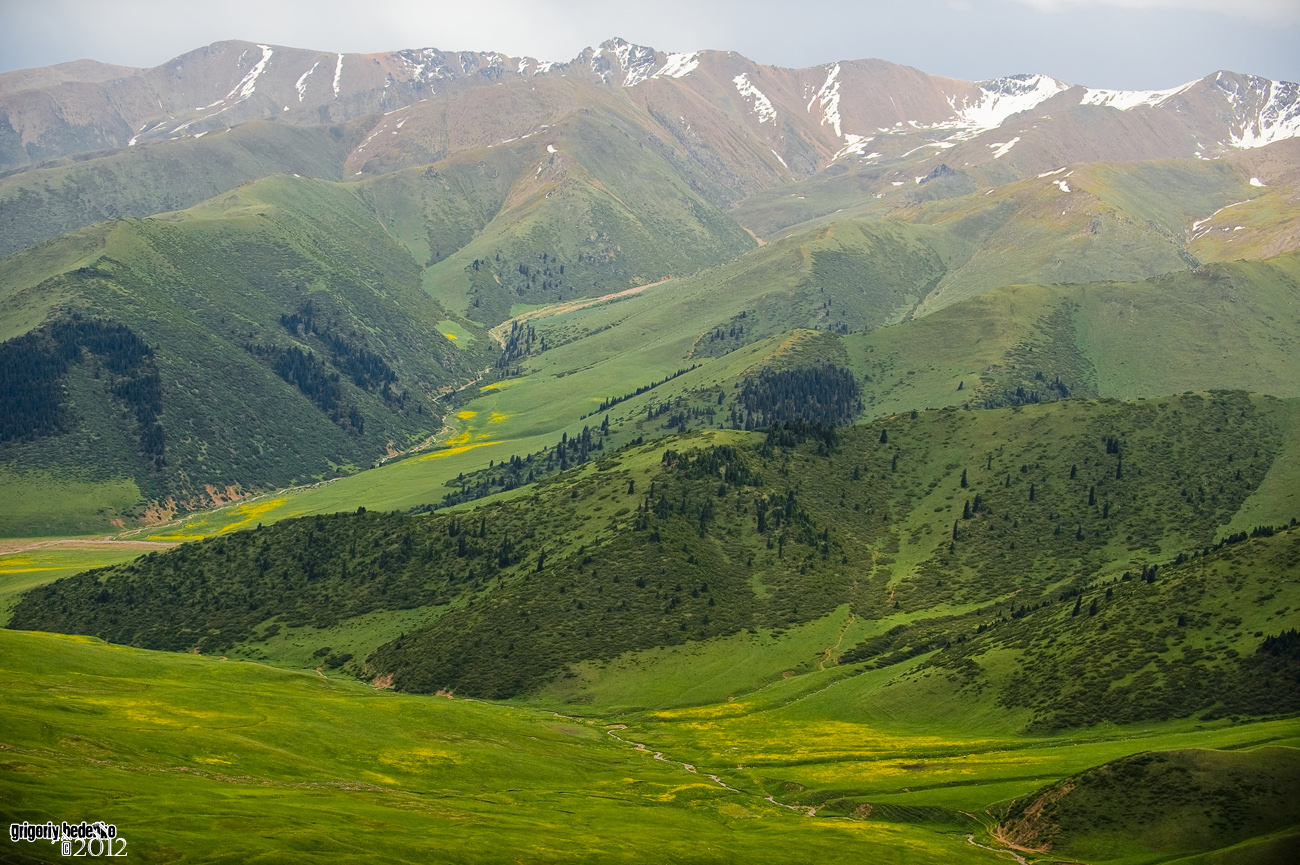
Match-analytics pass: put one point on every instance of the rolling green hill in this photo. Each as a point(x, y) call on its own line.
point(278, 334)
point(959, 519)
point(46, 202)
point(1166, 802)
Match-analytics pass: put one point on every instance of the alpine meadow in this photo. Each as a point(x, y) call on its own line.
point(437, 456)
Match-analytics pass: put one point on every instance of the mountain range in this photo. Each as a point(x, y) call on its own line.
point(793, 122)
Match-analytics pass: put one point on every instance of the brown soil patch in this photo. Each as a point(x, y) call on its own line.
point(18, 545)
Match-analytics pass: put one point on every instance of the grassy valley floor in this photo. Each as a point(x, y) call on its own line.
point(202, 759)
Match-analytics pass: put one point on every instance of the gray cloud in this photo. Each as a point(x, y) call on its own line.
point(1135, 44)
point(1263, 10)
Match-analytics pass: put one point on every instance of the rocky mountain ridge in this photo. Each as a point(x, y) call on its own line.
point(765, 124)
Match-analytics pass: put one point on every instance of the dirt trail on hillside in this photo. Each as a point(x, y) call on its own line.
point(828, 655)
point(20, 545)
point(970, 839)
point(499, 332)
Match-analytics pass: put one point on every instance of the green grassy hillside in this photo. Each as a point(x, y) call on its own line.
point(1222, 326)
point(323, 767)
point(42, 203)
point(281, 334)
point(956, 518)
point(179, 749)
point(590, 211)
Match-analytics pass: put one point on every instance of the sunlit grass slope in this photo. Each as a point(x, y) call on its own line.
point(194, 758)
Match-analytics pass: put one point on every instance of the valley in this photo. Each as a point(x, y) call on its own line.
point(630, 459)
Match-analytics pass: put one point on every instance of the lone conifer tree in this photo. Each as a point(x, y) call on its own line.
point(1077, 605)
point(1031, 490)
point(963, 479)
point(1078, 534)
point(1074, 472)
point(1092, 495)
point(884, 436)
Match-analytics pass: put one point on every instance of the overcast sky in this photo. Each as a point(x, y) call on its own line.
point(1127, 44)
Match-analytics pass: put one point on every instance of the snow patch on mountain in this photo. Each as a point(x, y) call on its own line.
point(542, 66)
point(1002, 148)
point(600, 65)
point(856, 145)
point(679, 65)
point(762, 105)
point(338, 75)
point(248, 83)
point(999, 99)
point(779, 159)
point(1276, 119)
point(1255, 181)
point(829, 97)
point(301, 84)
point(638, 62)
point(1127, 100)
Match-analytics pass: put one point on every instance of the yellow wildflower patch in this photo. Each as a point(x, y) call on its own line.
point(418, 756)
point(464, 415)
point(252, 511)
point(671, 794)
point(451, 452)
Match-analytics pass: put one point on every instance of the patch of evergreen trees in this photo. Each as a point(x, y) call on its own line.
point(521, 342)
point(368, 371)
point(32, 367)
point(521, 471)
point(610, 402)
point(827, 394)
